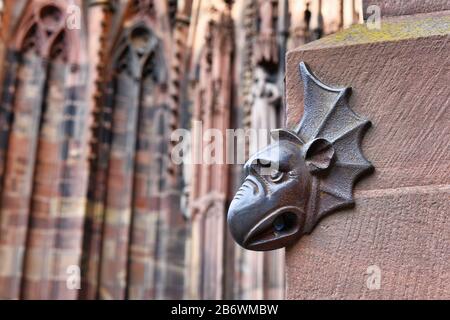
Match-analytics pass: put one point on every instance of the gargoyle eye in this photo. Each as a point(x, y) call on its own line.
point(276, 176)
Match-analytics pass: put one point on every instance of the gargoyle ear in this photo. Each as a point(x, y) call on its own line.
point(319, 155)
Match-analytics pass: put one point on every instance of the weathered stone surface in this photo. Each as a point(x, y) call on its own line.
point(402, 87)
point(391, 8)
point(44, 154)
point(400, 223)
point(405, 232)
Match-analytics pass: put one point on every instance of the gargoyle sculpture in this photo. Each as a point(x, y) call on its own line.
point(304, 175)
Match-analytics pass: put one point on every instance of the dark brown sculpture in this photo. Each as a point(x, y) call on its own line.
point(305, 174)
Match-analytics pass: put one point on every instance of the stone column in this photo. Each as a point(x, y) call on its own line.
point(399, 230)
point(98, 22)
point(2, 39)
point(210, 178)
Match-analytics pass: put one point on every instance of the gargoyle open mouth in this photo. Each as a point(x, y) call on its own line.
point(281, 225)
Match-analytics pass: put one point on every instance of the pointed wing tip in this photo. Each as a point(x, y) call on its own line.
point(304, 68)
point(306, 74)
point(370, 168)
point(367, 123)
point(367, 169)
point(286, 134)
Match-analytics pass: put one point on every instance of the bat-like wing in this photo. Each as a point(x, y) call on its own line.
point(327, 115)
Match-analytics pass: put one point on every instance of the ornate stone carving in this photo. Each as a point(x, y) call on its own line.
point(304, 175)
point(266, 47)
point(265, 98)
point(209, 181)
point(43, 111)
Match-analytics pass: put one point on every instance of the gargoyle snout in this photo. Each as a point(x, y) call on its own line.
point(246, 209)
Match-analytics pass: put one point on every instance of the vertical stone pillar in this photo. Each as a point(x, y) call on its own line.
point(172, 226)
point(210, 178)
point(44, 180)
point(398, 230)
point(98, 23)
point(113, 271)
point(19, 171)
point(57, 206)
point(2, 35)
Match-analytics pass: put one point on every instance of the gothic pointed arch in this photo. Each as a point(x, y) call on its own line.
point(131, 157)
point(210, 178)
point(45, 146)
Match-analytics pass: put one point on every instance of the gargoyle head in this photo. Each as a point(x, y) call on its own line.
point(305, 174)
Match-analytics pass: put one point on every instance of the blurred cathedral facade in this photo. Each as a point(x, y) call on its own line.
point(91, 204)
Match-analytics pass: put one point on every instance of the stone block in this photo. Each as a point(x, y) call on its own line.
point(399, 76)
